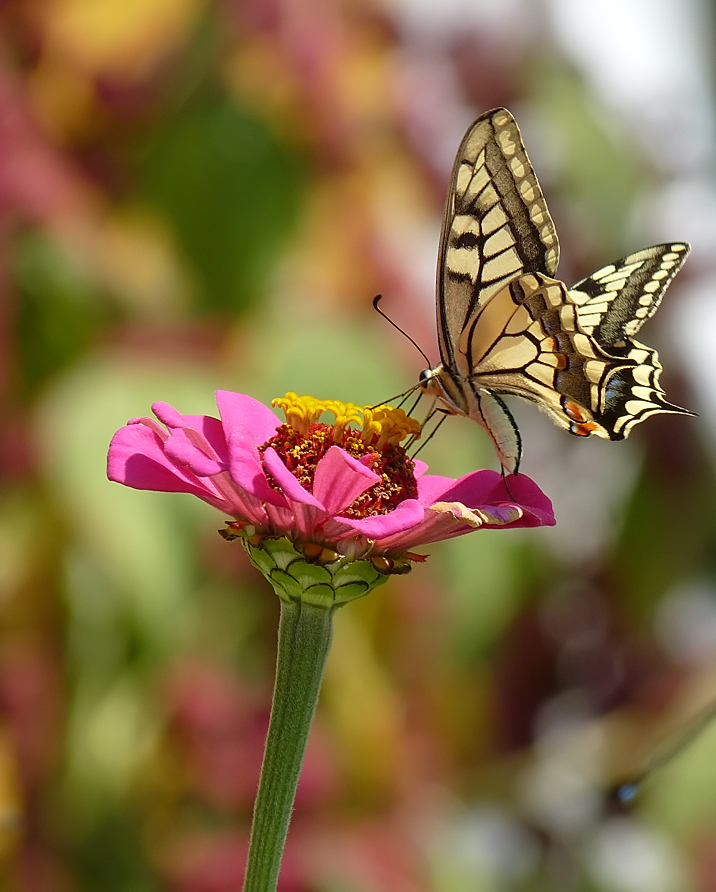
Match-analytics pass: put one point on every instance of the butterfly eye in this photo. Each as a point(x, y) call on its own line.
point(425, 376)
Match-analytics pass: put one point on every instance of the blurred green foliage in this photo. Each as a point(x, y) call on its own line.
point(60, 312)
point(232, 192)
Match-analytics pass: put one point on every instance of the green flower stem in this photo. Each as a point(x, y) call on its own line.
point(304, 639)
point(310, 591)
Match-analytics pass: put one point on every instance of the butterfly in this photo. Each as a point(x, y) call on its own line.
point(506, 326)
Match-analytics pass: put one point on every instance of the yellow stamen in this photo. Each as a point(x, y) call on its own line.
point(301, 411)
point(380, 425)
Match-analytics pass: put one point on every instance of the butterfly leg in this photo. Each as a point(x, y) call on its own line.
point(433, 431)
point(431, 411)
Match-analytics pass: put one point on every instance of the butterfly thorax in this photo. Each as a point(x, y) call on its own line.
point(460, 395)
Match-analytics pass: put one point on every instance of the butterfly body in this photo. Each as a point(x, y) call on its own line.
point(506, 326)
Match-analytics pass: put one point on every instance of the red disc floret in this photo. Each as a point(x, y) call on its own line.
point(302, 452)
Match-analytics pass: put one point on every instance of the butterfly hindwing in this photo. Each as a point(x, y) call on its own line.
point(613, 304)
point(526, 341)
point(496, 225)
point(634, 393)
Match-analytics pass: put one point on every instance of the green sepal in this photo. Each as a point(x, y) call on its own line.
point(295, 577)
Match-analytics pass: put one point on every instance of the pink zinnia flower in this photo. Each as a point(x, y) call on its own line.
point(326, 512)
point(329, 486)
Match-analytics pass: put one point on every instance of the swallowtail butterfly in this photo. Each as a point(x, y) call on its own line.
point(507, 326)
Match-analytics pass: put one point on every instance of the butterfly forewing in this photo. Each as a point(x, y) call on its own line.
point(617, 300)
point(496, 225)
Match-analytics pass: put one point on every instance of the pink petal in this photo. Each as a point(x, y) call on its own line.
point(501, 515)
point(153, 424)
point(420, 467)
point(431, 487)
point(182, 450)
point(167, 414)
point(202, 430)
point(408, 514)
point(308, 521)
point(474, 489)
point(522, 490)
point(529, 497)
point(483, 491)
point(446, 524)
point(435, 527)
point(239, 503)
point(288, 484)
point(239, 410)
point(246, 468)
point(488, 488)
point(535, 517)
point(340, 479)
point(136, 458)
point(281, 521)
point(211, 431)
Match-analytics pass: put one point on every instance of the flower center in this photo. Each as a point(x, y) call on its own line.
point(304, 440)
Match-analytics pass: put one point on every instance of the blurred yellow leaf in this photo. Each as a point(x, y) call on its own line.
point(138, 261)
point(10, 804)
point(63, 99)
point(365, 712)
point(124, 39)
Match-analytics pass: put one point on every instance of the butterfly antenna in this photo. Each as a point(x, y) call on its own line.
point(398, 396)
point(376, 306)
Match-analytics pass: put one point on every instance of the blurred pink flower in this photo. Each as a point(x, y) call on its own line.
point(294, 480)
point(197, 861)
point(36, 181)
point(222, 726)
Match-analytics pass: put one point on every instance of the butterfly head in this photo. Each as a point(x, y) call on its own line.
point(427, 379)
point(432, 383)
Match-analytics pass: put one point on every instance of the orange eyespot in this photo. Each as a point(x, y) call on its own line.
point(583, 430)
point(574, 412)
